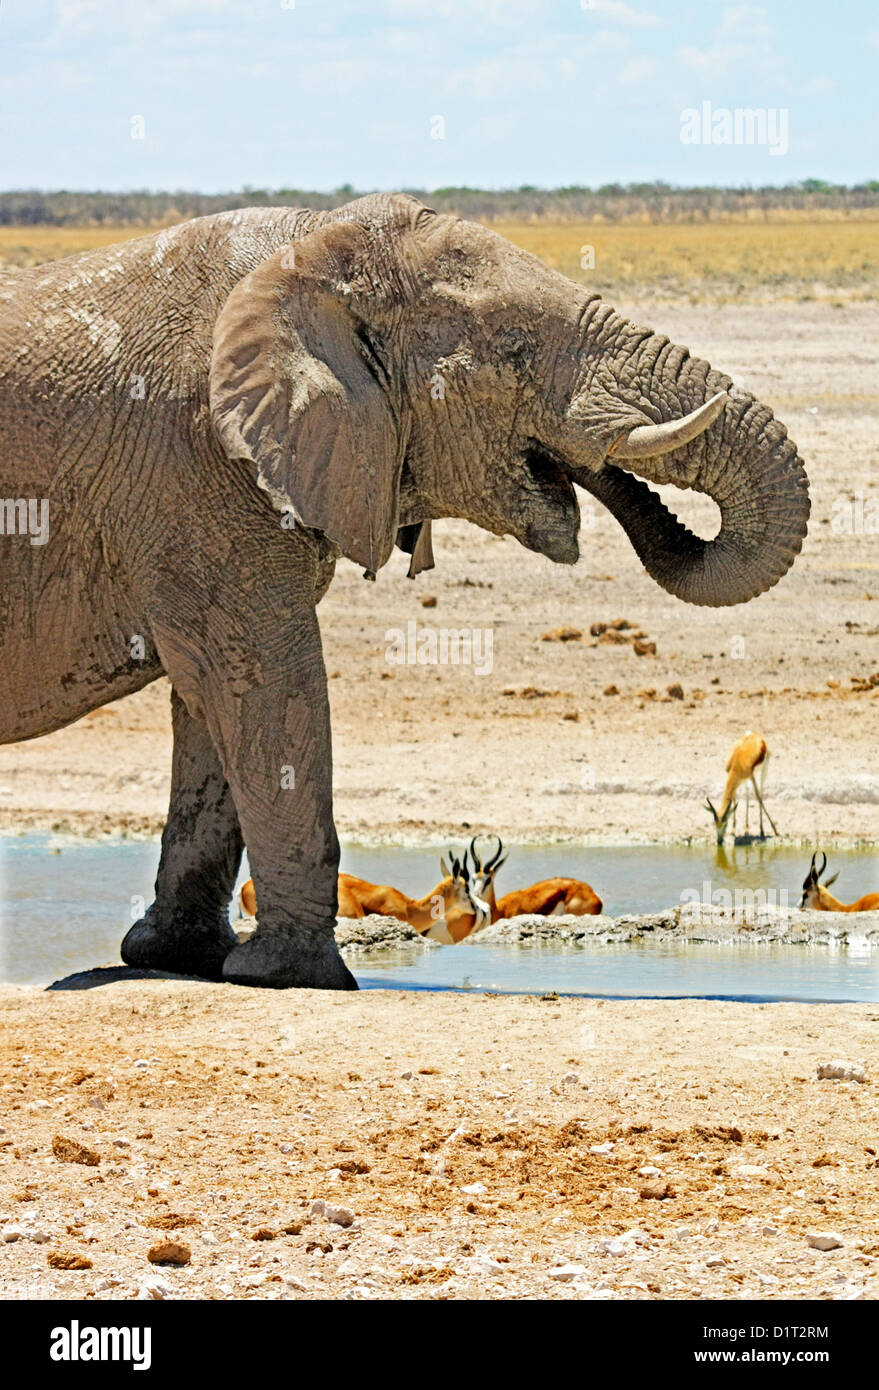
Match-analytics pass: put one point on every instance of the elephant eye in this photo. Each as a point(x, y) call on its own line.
point(371, 356)
point(513, 342)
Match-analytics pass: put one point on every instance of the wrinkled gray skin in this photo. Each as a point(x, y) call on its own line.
point(170, 396)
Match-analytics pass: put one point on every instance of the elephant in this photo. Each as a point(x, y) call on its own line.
point(214, 413)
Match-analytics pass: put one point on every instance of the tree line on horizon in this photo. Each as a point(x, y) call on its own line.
point(651, 202)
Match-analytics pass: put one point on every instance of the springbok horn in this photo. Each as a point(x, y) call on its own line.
point(648, 441)
point(477, 863)
point(494, 859)
point(824, 865)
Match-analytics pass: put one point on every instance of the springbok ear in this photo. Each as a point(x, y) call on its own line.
point(445, 868)
point(832, 879)
point(297, 388)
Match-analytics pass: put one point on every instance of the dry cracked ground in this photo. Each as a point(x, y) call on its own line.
point(386, 1145)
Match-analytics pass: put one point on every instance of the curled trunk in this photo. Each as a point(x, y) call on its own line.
point(742, 459)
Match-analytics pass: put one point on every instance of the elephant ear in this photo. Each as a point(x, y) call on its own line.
point(297, 389)
point(416, 540)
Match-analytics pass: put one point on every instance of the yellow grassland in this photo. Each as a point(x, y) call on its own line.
point(800, 257)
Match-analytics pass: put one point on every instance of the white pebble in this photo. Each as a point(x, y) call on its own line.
point(475, 1189)
point(838, 1070)
point(565, 1273)
point(11, 1233)
point(613, 1246)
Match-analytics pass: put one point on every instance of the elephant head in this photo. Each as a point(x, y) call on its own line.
point(395, 366)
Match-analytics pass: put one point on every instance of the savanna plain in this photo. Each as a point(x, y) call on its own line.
point(445, 1146)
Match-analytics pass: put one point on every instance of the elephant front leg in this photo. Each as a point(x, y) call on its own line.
point(186, 930)
point(274, 741)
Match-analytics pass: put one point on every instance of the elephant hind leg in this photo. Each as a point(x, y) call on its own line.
point(186, 930)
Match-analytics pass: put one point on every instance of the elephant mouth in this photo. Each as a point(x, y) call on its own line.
point(551, 513)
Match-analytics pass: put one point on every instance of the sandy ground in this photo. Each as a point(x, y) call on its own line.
point(535, 748)
point(475, 1145)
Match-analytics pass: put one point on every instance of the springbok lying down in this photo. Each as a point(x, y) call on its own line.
point(815, 894)
point(449, 913)
point(551, 897)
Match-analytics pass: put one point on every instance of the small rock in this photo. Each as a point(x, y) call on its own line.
point(602, 1148)
point(406, 1075)
point(824, 1240)
point(675, 692)
point(339, 1216)
point(611, 690)
point(121, 1143)
point(428, 600)
point(565, 1273)
point(711, 1227)
point(475, 1189)
point(71, 1151)
point(562, 634)
point(749, 1170)
point(714, 1261)
point(656, 1191)
point(649, 1171)
point(263, 1233)
point(571, 1079)
point(682, 1233)
point(169, 1252)
point(612, 1245)
point(208, 1238)
point(40, 1237)
point(64, 1259)
point(141, 1063)
point(842, 1071)
point(769, 1231)
point(155, 1289)
point(11, 1233)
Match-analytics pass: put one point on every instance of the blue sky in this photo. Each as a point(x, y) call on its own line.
point(317, 93)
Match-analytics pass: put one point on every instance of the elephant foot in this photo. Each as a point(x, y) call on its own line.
point(301, 958)
point(176, 943)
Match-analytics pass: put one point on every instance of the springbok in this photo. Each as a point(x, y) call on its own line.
point(449, 913)
point(815, 894)
point(750, 753)
point(551, 897)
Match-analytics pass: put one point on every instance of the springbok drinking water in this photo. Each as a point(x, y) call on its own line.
point(449, 913)
point(749, 754)
point(815, 894)
point(551, 897)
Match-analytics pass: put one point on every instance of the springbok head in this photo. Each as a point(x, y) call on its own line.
point(484, 873)
point(720, 822)
point(812, 884)
point(459, 894)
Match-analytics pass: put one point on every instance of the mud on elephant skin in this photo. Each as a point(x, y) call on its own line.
point(217, 411)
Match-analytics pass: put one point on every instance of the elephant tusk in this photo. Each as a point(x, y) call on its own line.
point(647, 441)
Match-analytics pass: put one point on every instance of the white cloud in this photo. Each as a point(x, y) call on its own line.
point(624, 14)
point(744, 34)
point(637, 70)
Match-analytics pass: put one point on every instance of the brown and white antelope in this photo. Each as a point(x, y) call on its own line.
point(551, 897)
point(749, 754)
point(816, 896)
point(449, 913)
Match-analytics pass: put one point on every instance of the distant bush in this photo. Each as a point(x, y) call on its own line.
point(638, 202)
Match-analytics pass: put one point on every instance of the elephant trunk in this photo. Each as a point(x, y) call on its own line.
point(743, 460)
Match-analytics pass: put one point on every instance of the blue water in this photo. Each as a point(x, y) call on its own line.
point(65, 905)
